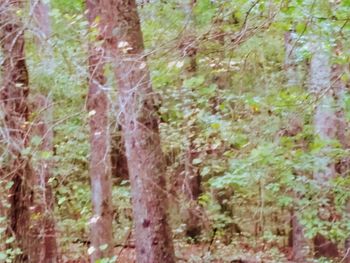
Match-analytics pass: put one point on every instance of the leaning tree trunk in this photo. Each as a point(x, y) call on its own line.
point(13, 99)
point(100, 163)
point(44, 225)
point(325, 122)
point(141, 133)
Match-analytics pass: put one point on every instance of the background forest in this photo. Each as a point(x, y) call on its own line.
point(250, 99)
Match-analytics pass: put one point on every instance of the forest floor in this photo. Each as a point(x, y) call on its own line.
point(200, 253)
point(214, 253)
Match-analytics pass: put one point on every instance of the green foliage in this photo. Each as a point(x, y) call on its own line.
point(239, 130)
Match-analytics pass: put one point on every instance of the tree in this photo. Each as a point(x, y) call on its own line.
point(43, 230)
point(44, 223)
point(191, 183)
point(290, 61)
point(14, 104)
point(299, 242)
point(100, 162)
point(139, 122)
point(325, 123)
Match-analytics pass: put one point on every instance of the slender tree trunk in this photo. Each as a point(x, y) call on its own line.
point(191, 186)
point(13, 98)
point(290, 61)
point(325, 122)
point(41, 19)
point(43, 230)
point(298, 241)
point(140, 129)
point(100, 162)
point(46, 244)
point(118, 158)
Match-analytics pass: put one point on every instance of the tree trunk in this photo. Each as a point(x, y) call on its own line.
point(44, 222)
point(41, 19)
point(100, 162)
point(298, 240)
point(13, 97)
point(47, 250)
point(191, 185)
point(119, 162)
point(290, 61)
point(140, 129)
point(325, 122)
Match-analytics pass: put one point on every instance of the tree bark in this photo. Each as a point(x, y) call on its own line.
point(47, 250)
point(13, 98)
point(290, 61)
point(140, 129)
point(325, 123)
point(100, 162)
point(41, 19)
point(44, 224)
point(191, 184)
point(299, 242)
point(118, 158)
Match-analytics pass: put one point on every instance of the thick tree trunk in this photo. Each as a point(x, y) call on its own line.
point(140, 128)
point(46, 244)
point(100, 162)
point(325, 122)
point(13, 98)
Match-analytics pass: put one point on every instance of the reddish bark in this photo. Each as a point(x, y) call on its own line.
point(44, 225)
point(100, 163)
point(140, 130)
point(13, 98)
point(44, 232)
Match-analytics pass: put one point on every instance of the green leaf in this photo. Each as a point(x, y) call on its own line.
point(103, 247)
point(196, 161)
point(10, 240)
point(36, 140)
point(9, 185)
point(194, 82)
point(3, 256)
point(61, 200)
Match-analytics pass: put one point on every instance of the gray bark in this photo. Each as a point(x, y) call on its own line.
point(290, 61)
point(325, 123)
